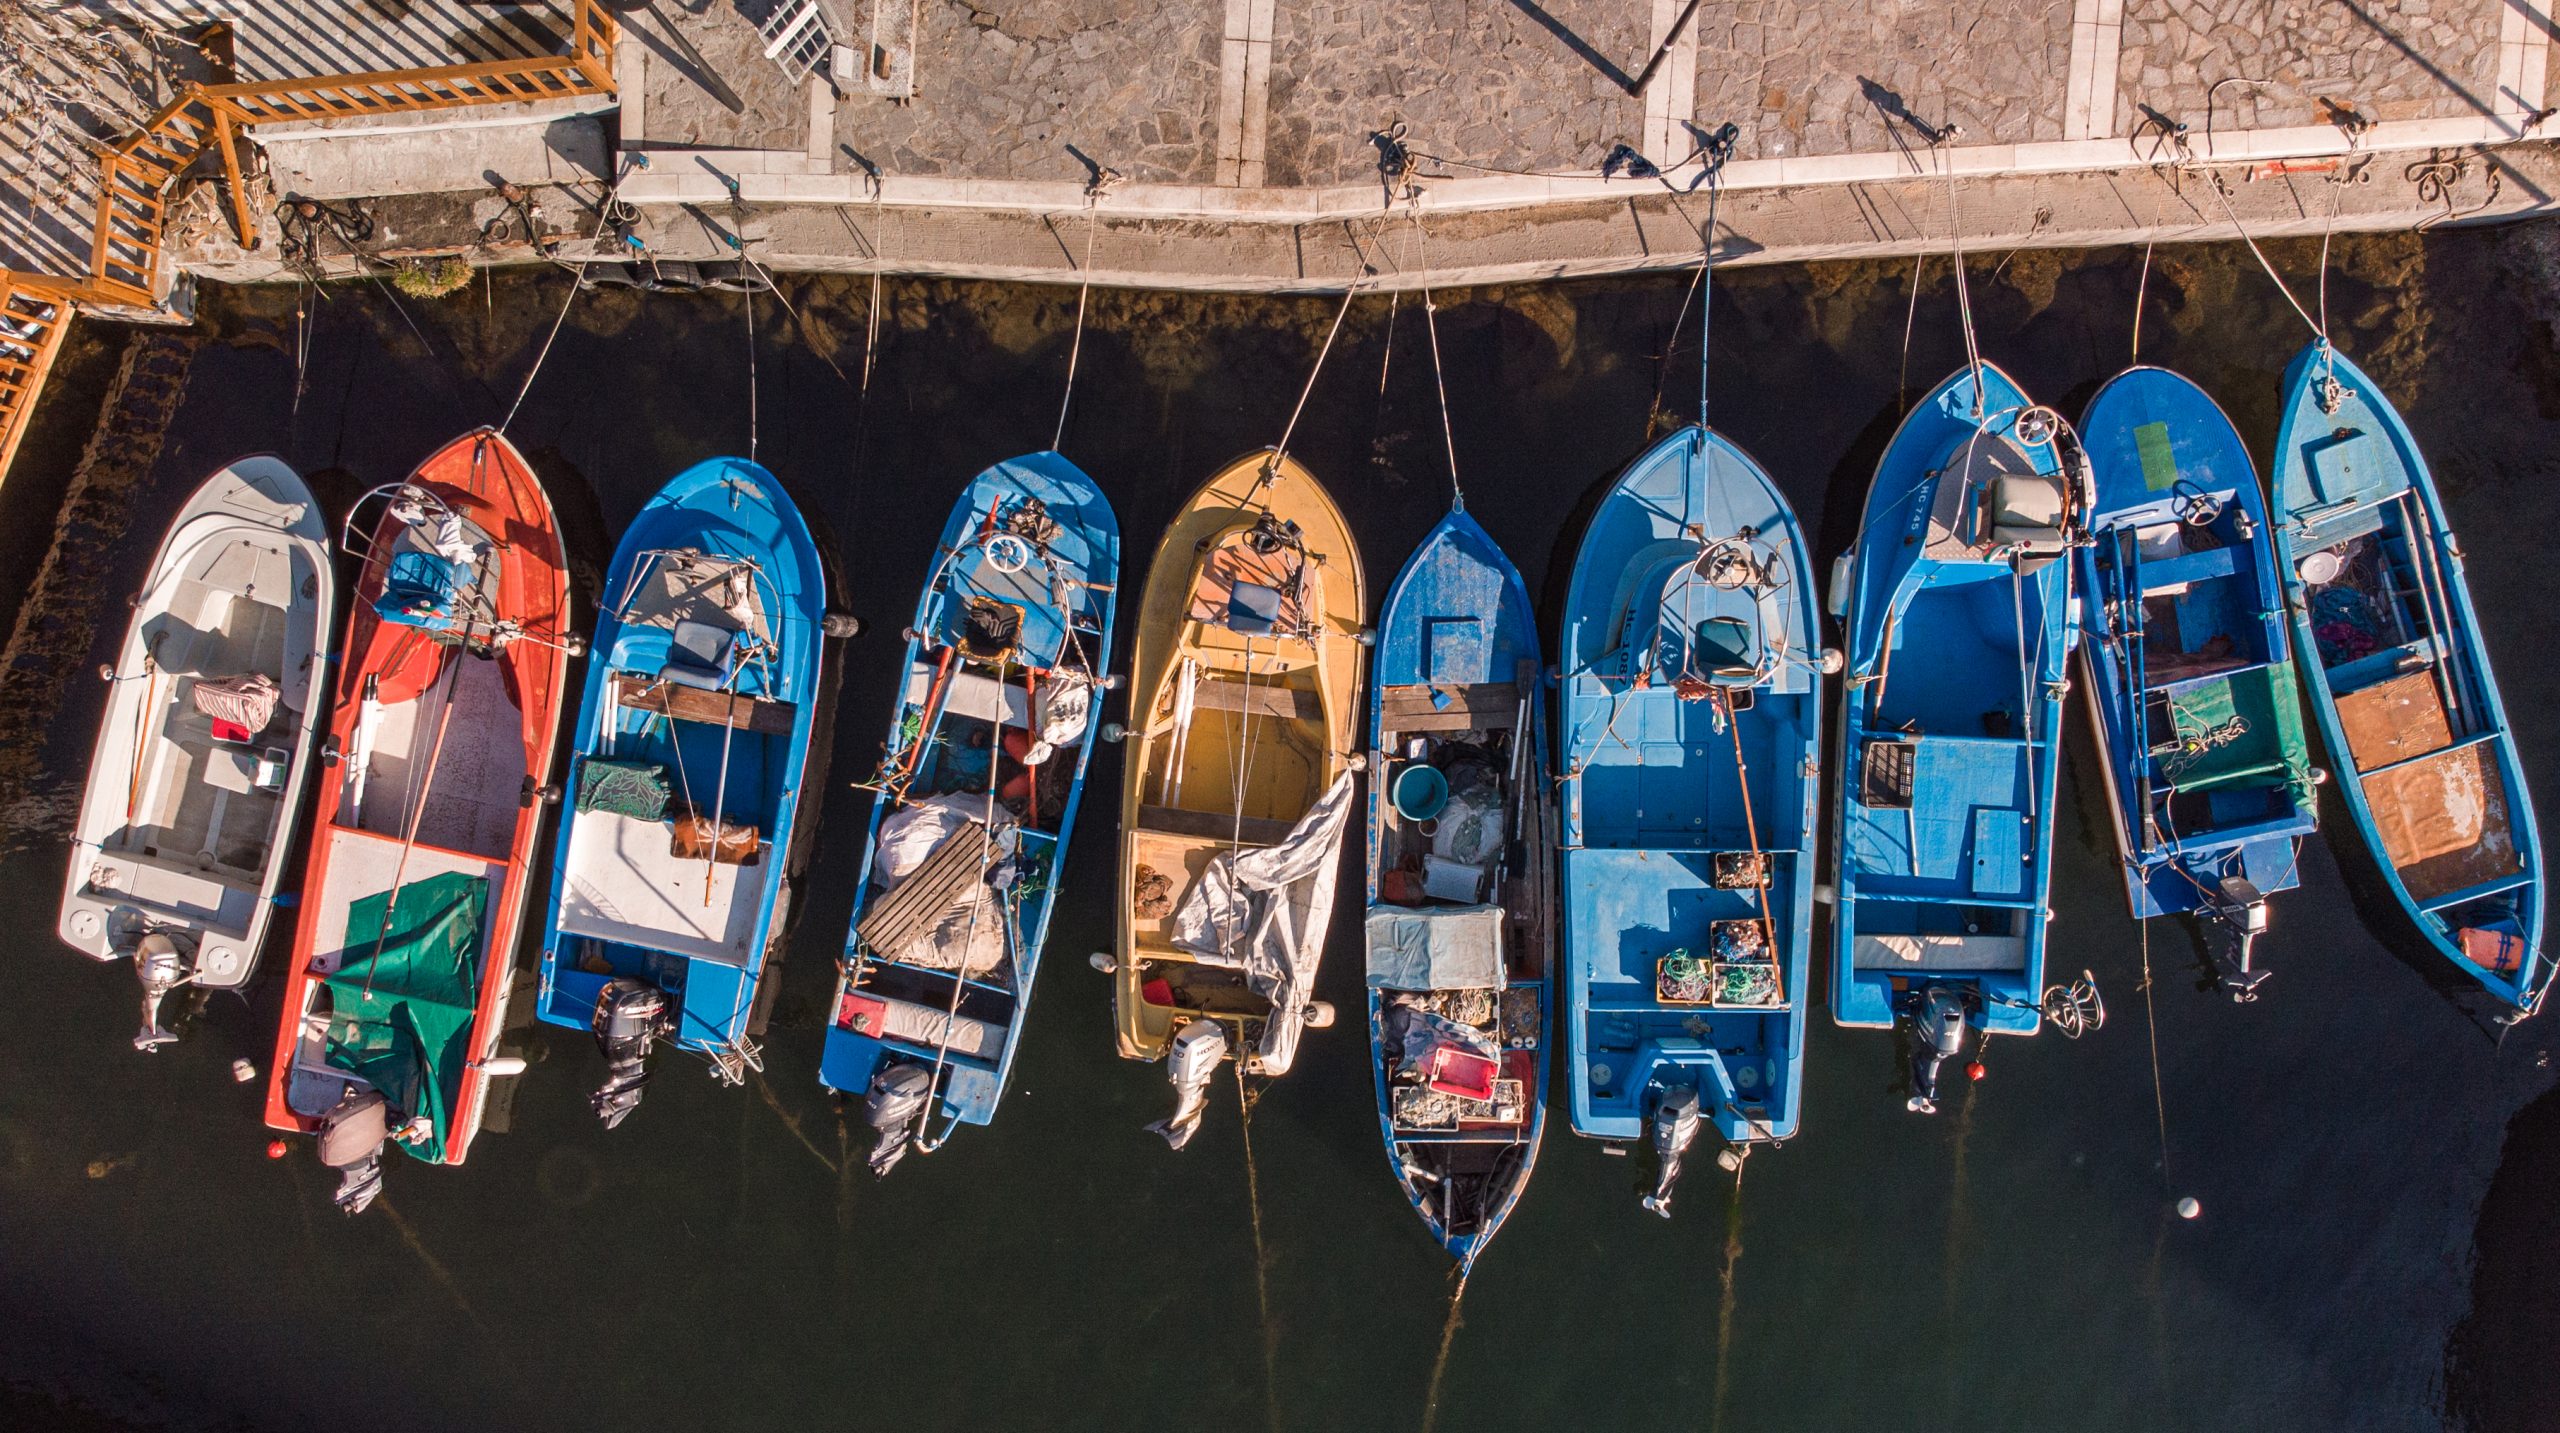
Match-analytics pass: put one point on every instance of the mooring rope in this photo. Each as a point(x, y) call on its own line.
point(1955, 243)
point(1075, 350)
point(1439, 377)
point(2151, 1020)
point(754, 416)
point(538, 358)
point(1350, 291)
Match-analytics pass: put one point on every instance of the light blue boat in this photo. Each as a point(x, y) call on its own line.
point(2189, 666)
point(976, 798)
point(671, 884)
point(1957, 624)
point(2399, 679)
point(1690, 724)
point(1460, 926)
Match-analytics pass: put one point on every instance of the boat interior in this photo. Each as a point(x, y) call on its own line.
point(670, 865)
point(204, 791)
point(2435, 764)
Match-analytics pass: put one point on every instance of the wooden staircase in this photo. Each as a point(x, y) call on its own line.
point(128, 266)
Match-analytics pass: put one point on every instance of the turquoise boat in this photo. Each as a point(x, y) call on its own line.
point(1955, 606)
point(2189, 664)
point(2400, 680)
point(976, 799)
point(671, 886)
point(1689, 719)
point(1461, 886)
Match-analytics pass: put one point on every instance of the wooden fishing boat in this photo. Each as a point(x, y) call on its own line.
point(979, 784)
point(201, 757)
point(671, 886)
point(2189, 667)
point(1242, 739)
point(1460, 927)
point(2400, 680)
point(1690, 721)
point(440, 747)
point(1949, 756)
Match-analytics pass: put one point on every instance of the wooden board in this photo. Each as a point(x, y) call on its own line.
point(2394, 720)
point(2443, 821)
point(1256, 699)
point(931, 891)
point(1488, 706)
point(1213, 825)
point(684, 703)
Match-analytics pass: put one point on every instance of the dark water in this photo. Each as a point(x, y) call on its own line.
point(722, 1262)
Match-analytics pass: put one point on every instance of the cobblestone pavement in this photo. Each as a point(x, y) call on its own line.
point(710, 84)
point(2414, 59)
point(1005, 86)
point(1808, 77)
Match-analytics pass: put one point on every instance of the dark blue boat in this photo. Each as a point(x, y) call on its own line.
point(976, 799)
point(2189, 662)
point(1956, 612)
point(1690, 756)
point(671, 885)
point(1461, 885)
point(2400, 682)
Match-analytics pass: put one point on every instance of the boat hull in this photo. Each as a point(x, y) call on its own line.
point(890, 1010)
point(2400, 681)
point(1457, 687)
point(177, 833)
point(491, 707)
point(1689, 762)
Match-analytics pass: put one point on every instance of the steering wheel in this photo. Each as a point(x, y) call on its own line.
point(1007, 553)
point(2036, 426)
point(2194, 506)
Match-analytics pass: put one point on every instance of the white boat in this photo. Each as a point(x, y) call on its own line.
point(205, 742)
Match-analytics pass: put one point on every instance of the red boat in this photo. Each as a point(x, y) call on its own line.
point(440, 746)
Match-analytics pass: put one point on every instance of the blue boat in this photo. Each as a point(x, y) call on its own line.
point(2400, 682)
point(1948, 755)
point(976, 798)
point(1461, 886)
point(1690, 718)
point(672, 880)
point(2189, 661)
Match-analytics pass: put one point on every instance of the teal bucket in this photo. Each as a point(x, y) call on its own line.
point(1418, 791)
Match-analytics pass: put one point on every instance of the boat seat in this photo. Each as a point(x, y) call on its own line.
point(1213, 825)
point(1725, 643)
point(700, 655)
point(1252, 609)
point(1939, 952)
point(2026, 509)
point(2190, 567)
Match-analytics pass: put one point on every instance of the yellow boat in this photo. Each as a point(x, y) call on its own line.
point(1243, 733)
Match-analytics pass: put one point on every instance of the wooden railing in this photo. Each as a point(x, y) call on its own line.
point(128, 265)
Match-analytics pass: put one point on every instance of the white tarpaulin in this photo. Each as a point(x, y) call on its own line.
point(1264, 912)
point(1435, 947)
point(1059, 714)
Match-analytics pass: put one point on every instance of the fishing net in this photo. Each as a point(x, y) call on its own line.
point(637, 789)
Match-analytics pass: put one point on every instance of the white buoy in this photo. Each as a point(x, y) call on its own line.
point(2188, 1208)
point(243, 1071)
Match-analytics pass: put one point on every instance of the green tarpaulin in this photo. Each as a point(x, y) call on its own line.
point(2241, 731)
point(404, 998)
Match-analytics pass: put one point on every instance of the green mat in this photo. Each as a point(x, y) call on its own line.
point(2159, 459)
point(637, 789)
point(406, 995)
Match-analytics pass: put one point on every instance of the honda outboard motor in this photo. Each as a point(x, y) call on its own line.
point(1675, 1128)
point(631, 1015)
point(2233, 920)
point(161, 967)
point(894, 1108)
point(352, 1134)
point(1937, 1036)
point(1193, 1058)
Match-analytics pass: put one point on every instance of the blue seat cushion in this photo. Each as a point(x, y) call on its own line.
point(699, 655)
point(417, 588)
point(1252, 609)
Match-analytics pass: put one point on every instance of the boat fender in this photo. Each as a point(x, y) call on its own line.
point(840, 625)
point(1837, 596)
point(1318, 1015)
point(161, 964)
point(1190, 1061)
point(630, 1016)
point(1938, 1031)
point(893, 1108)
point(1674, 1128)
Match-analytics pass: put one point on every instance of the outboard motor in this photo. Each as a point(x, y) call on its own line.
point(1937, 1036)
point(893, 1109)
point(352, 1134)
point(2233, 920)
point(631, 1015)
point(161, 967)
point(1675, 1128)
point(1197, 1048)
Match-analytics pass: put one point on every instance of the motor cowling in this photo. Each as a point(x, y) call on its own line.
point(2233, 920)
point(1938, 1031)
point(630, 1017)
point(1674, 1128)
point(1190, 1061)
point(352, 1136)
point(161, 965)
point(894, 1108)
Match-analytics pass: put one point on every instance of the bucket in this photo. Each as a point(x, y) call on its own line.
point(1418, 791)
